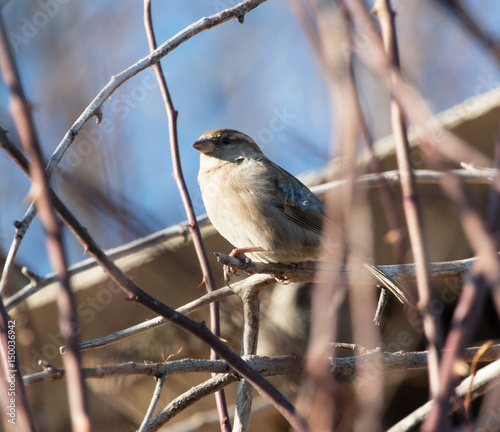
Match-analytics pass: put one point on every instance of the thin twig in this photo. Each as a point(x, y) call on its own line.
point(188, 205)
point(411, 204)
point(154, 322)
point(386, 196)
point(17, 410)
point(382, 302)
point(201, 421)
point(318, 389)
point(67, 317)
point(492, 217)
point(185, 400)
point(133, 247)
point(154, 400)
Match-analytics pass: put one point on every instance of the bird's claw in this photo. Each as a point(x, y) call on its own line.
point(282, 280)
point(228, 271)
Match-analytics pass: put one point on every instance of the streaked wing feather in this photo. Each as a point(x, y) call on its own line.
point(306, 218)
point(295, 200)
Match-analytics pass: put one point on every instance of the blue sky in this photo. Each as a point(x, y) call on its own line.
point(260, 77)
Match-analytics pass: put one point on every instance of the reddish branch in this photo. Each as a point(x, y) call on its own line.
point(188, 206)
point(411, 204)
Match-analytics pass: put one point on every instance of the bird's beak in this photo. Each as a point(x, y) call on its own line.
point(204, 146)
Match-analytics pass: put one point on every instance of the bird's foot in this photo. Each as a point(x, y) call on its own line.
point(236, 253)
point(282, 280)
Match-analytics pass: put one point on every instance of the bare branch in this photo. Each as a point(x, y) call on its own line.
point(185, 400)
point(411, 204)
point(251, 319)
point(154, 400)
point(305, 271)
point(188, 205)
point(289, 364)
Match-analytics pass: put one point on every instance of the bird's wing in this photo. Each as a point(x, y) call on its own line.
point(294, 199)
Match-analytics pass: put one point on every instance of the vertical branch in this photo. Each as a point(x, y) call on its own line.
point(411, 205)
point(188, 206)
point(12, 377)
point(251, 305)
point(40, 191)
point(319, 394)
point(11, 255)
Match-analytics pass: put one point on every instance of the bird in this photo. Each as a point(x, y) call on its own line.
point(265, 212)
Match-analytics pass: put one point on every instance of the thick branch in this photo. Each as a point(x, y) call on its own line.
point(306, 271)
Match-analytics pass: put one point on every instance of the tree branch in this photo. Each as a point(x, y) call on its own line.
point(411, 204)
point(188, 206)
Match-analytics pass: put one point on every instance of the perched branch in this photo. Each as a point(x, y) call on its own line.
point(263, 274)
point(305, 271)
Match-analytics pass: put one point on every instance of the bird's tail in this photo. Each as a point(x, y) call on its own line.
point(387, 282)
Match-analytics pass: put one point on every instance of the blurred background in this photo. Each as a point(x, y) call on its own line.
point(262, 78)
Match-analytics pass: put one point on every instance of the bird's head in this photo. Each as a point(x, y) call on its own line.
point(227, 144)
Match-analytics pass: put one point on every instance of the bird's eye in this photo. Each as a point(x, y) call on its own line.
point(226, 140)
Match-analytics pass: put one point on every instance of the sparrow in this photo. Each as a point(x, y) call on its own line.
point(262, 210)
